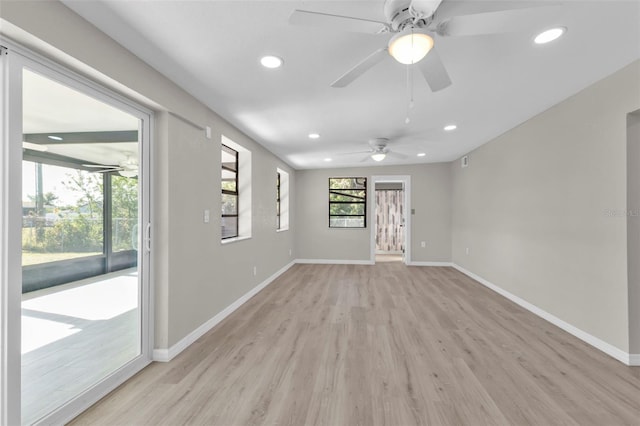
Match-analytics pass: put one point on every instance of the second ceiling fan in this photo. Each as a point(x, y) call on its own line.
point(414, 24)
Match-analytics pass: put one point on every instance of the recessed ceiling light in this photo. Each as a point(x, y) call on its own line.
point(327, 159)
point(450, 127)
point(549, 35)
point(421, 154)
point(55, 138)
point(313, 136)
point(270, 61)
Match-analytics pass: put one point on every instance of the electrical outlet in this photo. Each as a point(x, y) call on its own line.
point(207, 132)
point(423, 244)
point(255, 271)
point(467, 250)
point(206, 216)
point(289, 252)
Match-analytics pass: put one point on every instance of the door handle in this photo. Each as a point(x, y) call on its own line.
point(147, 237)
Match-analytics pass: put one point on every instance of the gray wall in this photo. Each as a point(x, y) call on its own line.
point(534, 208)
point(430, 197)
point(195, 276)
point(633, 228)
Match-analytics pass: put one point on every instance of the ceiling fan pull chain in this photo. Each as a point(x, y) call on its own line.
point(410, 92)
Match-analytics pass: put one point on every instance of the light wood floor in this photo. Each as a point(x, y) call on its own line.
point(379, 345)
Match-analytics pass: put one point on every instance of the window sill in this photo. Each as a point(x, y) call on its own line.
point(282, 229)
point(233, 240)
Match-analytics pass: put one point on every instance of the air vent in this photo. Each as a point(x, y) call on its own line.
point(464, 161)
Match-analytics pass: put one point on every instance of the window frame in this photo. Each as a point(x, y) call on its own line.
point(235, 193)
point(363, 202)
point(278, 199)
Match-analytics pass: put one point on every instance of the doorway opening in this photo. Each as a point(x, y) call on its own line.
point(390, 222)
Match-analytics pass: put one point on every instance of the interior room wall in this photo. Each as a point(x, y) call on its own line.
point(195, 277)
point(541, 209)
point(633, 228)
point(430, 198)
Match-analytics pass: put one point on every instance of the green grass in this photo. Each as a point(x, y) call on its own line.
point(33, 258)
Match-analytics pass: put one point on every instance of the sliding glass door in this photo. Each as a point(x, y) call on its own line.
point(80, 157)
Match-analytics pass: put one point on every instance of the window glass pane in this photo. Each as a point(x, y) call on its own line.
point(229, 158)
point(230, 185)
point(346, 222)
point(347, 209)
point(61, 213)
point(347, 195)
point(229, 204)
point(228, 175)
point(124, 213)
point(229, 225)
point(347, 183)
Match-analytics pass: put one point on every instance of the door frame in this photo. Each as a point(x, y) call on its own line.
point(19, 57)
point(406, 186)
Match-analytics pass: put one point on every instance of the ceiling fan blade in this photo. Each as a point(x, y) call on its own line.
point(396, 154)
point(337, 22)
point(355, 72)
point(356, 152)
point(503, 21)
point(434, 71)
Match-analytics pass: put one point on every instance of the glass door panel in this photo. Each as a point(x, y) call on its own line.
point(81, 301)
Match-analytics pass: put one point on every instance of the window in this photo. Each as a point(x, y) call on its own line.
point(282, 200)
point(278, 224)
point(229, 223)
point(76, 222)
point(236, 175)
point(348, 202)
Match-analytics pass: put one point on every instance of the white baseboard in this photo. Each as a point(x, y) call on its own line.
point(597, 343)
point(335, 261)
point(634, 360)
point(420, 263)
point(166, 355)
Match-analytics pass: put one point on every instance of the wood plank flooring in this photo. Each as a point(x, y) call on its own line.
point(379, 345)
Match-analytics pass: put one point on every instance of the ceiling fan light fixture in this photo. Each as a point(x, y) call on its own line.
point(378, 156)
point(410, 45)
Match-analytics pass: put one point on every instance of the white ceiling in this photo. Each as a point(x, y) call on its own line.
point(212, 49)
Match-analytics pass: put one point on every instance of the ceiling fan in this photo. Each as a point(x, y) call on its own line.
point(127, 168)
point(379, 150)
point(414, 24)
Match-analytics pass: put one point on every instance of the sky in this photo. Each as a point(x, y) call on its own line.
point(52, 181)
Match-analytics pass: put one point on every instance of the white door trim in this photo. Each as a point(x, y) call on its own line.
point(11, 222)
point(406, 185)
